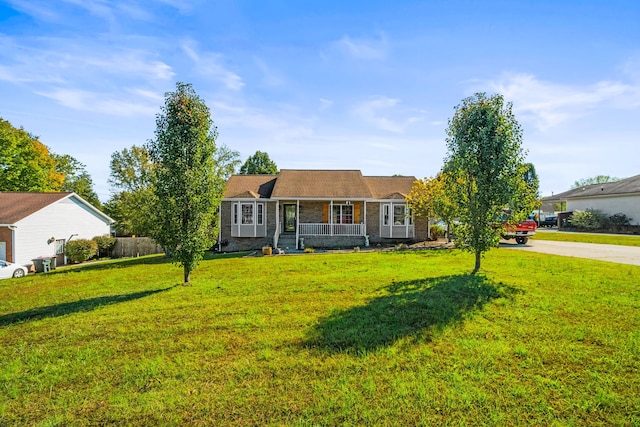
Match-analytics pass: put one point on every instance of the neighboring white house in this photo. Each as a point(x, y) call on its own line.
point(610, 198)
point(40, 224)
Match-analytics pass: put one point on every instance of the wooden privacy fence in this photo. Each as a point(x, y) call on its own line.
point(135, 246)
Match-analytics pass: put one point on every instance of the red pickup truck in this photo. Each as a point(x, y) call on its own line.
point(521, 231)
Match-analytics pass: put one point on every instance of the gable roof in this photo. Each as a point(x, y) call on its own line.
point(318, 184)
point(249, 186)
point(390, 187)
point(321, 184)
point(625, 186)
point(15, 206)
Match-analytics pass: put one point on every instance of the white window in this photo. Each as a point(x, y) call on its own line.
point(385, 210)
point(260, 219)
point(396, 214)
point(343, 214)
point(247, 213)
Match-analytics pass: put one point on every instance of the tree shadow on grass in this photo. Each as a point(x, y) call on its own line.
point(83, 305)
point(414, 308)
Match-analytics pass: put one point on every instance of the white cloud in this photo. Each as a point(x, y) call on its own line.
point(366, 49)
point(385, 113)
point(325, 104)
point(208, 64)
point(549, 104)
point(127, 105)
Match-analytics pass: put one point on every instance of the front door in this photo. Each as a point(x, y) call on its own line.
point(289, 218)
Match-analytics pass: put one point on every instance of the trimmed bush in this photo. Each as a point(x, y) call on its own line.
point(619, 220)
point(80, 250)
point(590, 219)
point(436, 231)
point(105, 244)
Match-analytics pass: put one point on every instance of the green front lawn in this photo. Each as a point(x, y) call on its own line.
point(386, 338)
point(570, 236)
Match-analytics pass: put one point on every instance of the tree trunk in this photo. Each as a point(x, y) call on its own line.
point(477, 267)
point(187, 275)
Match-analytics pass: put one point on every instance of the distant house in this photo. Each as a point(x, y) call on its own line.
point(40, 224)
point(610, 198)
point(316, 208)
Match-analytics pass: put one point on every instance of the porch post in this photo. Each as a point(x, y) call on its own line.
point(297, 222)
point(364, 217)
point(331, 218)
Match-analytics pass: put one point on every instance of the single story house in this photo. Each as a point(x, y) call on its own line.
point(609, 198)
point(316, 208)
point(33, 225)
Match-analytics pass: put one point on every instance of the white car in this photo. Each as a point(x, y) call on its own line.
point(9, 269)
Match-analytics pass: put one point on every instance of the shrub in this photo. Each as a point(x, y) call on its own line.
point(590, 219)
point(619, 220)
point(436, 231)
point(308, 250)
point(105, 244)
point(80, 250)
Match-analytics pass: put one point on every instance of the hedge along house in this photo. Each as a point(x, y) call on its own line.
point(316, 208)
point(40, 224)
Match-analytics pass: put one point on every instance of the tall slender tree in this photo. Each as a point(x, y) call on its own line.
point(485, 171)
point(187, 188)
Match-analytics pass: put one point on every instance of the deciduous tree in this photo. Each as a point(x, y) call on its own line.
point(485, 170)
point(26, 164)
point(598, 179)
point(259, 164)
point(76, 178)
point(186, 186)
point(132, 201)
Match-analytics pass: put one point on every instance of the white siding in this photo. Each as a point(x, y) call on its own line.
point(628, 205)
point(59, 220)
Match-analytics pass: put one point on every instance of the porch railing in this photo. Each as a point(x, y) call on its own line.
point(312, 229)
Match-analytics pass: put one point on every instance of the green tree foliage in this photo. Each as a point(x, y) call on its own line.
point(428, 198)
point(259, 164)
point(26, 164)
point(188, 191)
point(76, 178)
point(599, 179)
point(131, 204)
point(485, 170)
point(105, 245)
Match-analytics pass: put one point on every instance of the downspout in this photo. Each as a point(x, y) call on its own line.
point(13, 242)
point(220, 228)
point(276, 235)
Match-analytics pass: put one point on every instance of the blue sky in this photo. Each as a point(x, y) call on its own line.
point(363, 85)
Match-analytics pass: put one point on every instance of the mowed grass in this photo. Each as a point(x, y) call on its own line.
point(386, 338)
point(568, 236)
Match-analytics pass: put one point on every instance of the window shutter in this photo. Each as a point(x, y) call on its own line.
point(325, 213)
point(356, 214)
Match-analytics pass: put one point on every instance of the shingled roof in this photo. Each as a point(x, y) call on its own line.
point(250, 186)
point(619, 188)
point(390, 187)
point(318, 184)
point(15, 206)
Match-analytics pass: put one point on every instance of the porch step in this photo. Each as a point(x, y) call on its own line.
point(286, 241)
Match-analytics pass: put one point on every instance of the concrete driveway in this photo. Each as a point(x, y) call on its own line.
point(611, 253)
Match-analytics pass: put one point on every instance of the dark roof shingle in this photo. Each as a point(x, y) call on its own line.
point(318, 184)
point(624, 186)
point(15, 206)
